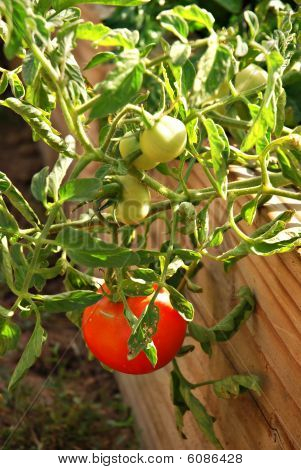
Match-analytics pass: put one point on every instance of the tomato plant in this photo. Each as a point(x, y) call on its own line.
point(112, 348)
point(206, 98)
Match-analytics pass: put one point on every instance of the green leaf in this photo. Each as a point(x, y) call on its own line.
point(179, 53)
point(187, 217)
point(30, 68)
point(7, 221)
point(101, 58)
point(145, 274)
point(235, 385)
point(15, 14)
point(290, 166)
point(253, 23)
point(178, 401)
point(228, 326)
point(9, 335)
point(30, 354)
point(17, 200)
point(57, 175)
point(63, 4)
point(6, 263)
point(200, 17)
point(3, 82)
point(80, 281)
point(174, 24)
point(136, 289)
point(101, 35)
point(212, 70)
point(179, 303)
point(200, 414)
point(143, 331)
point(284, 241)
point(89, 31)
point(39, 123)
point(266, 244)
point(39, 185)
point(248, 210)
point(185, 350)
point(16, 85)
point(76, 299)
point(83, 189)
point(87, 250)
point(220, 151)
point(266, 118)
point(121, 84)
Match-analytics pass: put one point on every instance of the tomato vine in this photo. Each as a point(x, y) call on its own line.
point(200, 98)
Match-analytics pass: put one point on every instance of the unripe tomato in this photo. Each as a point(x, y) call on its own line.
point(250, 77)
point(166, 139)
point(130, 144)
point(106, 332)
point(135, 200)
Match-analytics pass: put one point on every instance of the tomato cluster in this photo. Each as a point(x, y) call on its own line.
point(106, 332)
point(163, 142)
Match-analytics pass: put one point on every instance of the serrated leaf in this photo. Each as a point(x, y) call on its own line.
point(142, 333)
point(147, 275)
point(179, 53)
point(235, 385)
point(174, 24)
point(31, 352)
point(7, 221)
point(101, 58)
point(136, 289)
point(199, 16)
point(228, 326)
point(220, 151)
point(90, 251)
point(16, 85)
point(80, 190)
point(266, 117)
point(200, 414)
point(121, 85)
point(57, 175)
point(248, 210)
point(66, 301)
point(180, 303)
point(39, 185)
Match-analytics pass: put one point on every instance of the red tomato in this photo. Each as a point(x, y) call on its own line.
point(106, 332)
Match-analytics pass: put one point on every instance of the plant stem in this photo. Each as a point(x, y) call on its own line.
point(38, 246)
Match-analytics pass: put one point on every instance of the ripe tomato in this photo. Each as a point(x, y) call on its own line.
point(250, 77)
point(165, 141)
point(130, 144)
point(106, 332)
point(134, 205)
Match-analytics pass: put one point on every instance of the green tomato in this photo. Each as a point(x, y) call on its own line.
point(130, 144)
point(135, 201)
point(250, 77)
point(166, 140)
